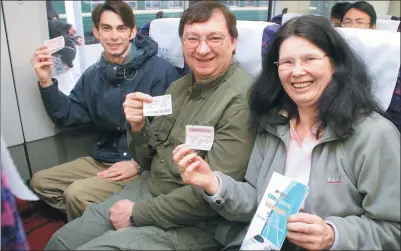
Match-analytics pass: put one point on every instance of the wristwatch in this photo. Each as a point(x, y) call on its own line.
point(138, 167)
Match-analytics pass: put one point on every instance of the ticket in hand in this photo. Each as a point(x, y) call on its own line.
point(55, 44)
point(199, 137)
point(161, 105)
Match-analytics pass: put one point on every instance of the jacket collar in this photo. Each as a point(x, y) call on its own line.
point(283, 132)
point(142, 48)
point(206, 87)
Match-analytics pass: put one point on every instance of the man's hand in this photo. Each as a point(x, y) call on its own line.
point(133, 109)
point(310, 232)
point(120, 213)
point(194, 170)
point(120, 171)
point(42, 64)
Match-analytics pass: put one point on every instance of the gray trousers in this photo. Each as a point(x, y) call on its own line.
point(94, 231)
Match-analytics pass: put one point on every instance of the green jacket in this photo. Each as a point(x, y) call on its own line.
point(222, 103)
point(363, 202)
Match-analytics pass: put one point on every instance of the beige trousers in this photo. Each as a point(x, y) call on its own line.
point(72, 186)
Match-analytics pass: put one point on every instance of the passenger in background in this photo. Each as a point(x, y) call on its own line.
point(319, 124)
point(337, 12)
point(128, 64)
point(279, 18)
point(145, 28)
point(160, 212)
point(359, 15)
point(362, 15)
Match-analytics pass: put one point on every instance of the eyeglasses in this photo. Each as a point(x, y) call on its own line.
point(213, 41)
point(306, 61)
point(350, 23)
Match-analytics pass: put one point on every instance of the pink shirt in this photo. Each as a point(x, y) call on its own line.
point(299, 157)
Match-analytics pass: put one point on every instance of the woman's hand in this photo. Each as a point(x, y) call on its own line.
point(194, 170)
point(310, 232)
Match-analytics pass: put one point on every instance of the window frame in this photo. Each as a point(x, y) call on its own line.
point(93, 3)
point(174, 7)
point(153, 8)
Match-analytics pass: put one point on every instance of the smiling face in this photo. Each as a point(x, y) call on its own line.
point(305, 83)
point(113, 34)
point(207, 62)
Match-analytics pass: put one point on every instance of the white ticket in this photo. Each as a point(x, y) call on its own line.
point(199, 137)
point(55, 44)
point(161, 105)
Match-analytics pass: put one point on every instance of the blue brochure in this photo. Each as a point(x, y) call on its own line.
point(282, 198)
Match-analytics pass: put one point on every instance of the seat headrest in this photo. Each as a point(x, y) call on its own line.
point(249, 45)
point(165, 32)
point(388, 25)
point(380, 51)
point(288, 16)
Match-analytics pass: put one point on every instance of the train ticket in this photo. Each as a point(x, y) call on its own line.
point(199, 137)
point(55, 44)
point(161, 105)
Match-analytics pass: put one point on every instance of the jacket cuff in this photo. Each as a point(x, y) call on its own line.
point(139, 213)
point(54, 85)
point(141, 137)
point(335, 243)
point(215, 200)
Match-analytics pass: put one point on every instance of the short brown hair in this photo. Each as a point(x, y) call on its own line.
point(202, 11)
point(119, 7)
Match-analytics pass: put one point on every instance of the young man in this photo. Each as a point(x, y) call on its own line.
point(160, 212)
point(337, 11)
point(128, 64)
point(359, 15)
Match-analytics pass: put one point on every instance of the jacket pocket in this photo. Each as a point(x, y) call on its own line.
point(162, 128)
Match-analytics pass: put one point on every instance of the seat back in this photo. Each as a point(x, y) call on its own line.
point(380, 51)
point(388, 25)
point(249, 49)
point(165, 32)
point(289, 16)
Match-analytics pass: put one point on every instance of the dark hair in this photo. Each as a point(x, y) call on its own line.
point(348, 95)
point(159, 14)
point(202, 11)
point(284, 11)
point(338, 10)
point(364, 7)
point(119, 7)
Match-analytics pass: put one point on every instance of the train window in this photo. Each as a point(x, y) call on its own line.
point(249, 3)
point(233, 3)
point(175, 4)
point(248, 10)
point(151, 5)
point(94, 3)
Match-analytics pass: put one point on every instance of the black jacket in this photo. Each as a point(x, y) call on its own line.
point(98, 96)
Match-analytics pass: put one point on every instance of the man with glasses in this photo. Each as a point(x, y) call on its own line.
point(159, 211)
point(359, 15)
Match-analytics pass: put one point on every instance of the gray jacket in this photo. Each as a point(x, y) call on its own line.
point(364, 203)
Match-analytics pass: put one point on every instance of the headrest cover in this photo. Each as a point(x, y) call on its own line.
point(388, 25)
point(249, 45)
point(288, 16)
point(165, 32)
point(380, 50)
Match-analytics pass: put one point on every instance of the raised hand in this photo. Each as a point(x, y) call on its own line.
point(42, 64)
point(133, 109)
point(194, 170)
